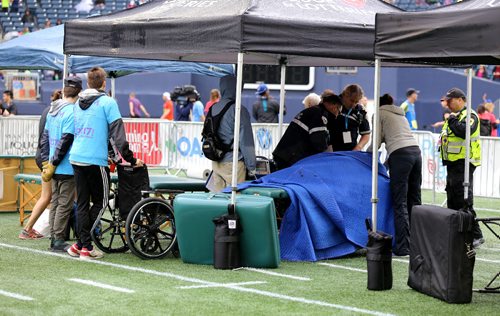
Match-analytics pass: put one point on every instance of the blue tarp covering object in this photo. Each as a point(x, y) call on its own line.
point(330, 200)
point(44, 50)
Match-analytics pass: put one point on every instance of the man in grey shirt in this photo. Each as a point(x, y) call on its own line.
point(266, 109)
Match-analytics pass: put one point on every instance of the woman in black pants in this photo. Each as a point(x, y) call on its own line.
point(405, 168)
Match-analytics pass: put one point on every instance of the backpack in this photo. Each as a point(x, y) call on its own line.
point(212, 146)
point(485, 127)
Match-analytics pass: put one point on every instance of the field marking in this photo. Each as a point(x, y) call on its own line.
point(487, 210)
point(102, 285)
point(288, 276)
point(490, 249)
point(221, 285)
point(193, 280)
point(342, 267)
point(16, 296)
point(401, 260)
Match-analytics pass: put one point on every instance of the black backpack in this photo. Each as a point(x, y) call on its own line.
point(212, 146)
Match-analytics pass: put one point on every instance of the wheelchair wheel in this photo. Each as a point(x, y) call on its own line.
point(108, 232)
point(150, 229)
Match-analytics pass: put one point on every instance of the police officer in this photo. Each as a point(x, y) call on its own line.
point(307, 134)
point(452, 148)
point(350, 122)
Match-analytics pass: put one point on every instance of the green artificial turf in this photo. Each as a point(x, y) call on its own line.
point(329, 291)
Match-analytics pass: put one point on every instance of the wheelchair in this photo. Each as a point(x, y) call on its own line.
point(148, 231)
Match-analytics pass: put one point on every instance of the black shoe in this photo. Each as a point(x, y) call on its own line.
point(60, 246)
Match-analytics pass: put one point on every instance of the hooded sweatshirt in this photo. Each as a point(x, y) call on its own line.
point(226, 128)
point(58, 136)
point(97, 122)
point(394, 129)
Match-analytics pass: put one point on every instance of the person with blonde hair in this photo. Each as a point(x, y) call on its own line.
point(312, 99)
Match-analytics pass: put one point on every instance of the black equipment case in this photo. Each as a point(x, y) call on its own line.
point(441, 255)
point(131, 181)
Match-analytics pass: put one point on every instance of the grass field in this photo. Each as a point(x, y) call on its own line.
point(34, 281)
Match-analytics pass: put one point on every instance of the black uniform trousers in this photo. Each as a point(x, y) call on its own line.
point(405, 167)
point(455, 190)
point(92, 184)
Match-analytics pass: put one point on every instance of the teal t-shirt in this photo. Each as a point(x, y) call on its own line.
point(92, 131)
point(61, 123)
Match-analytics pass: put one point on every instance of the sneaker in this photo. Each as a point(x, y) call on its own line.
point(86, 254)
point(60, 246)
point(477, 242)
point(74, 250)
point(30, 234)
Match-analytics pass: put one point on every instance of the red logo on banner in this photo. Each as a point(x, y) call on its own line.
point(143, 141)
point(356, 3)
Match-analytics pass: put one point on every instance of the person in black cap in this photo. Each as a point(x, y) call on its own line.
point(452, 149)
point(307, 134)
point(409, 107)
point(56, 143)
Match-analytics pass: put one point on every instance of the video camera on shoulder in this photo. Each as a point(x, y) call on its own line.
point(183, 95)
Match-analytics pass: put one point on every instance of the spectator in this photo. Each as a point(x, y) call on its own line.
point(131, 4)
point(307, 134)
point(481, 72)
point(490, 107)
point(484, 121)
point(99, 4)
point(452, 150)
point(183, 109)
point(97, 123)
point(5, 5)
point(136, 107)
point(266, 109)
point(28, 18)
point(168, 107)
point(8, 107)
point(409, 107)
point(59, 22)
point(197, 114)
point(222, 170)
point(47, 24)
point(25, 30)
point(349, 122)
point(312, 99)
point(14, 6)
point(405, 167)
point(446, 113)
point(56, 142)
point(496, 73)
point(43, 202)
point(214, 98)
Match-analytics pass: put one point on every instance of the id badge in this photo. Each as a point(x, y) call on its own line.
point(347, 137)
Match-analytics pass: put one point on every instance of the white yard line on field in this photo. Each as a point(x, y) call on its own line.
point(199, 281)
point(220, 285)
point(16, 296)
point(102, 285)
point(331, 265)
point(288, 276)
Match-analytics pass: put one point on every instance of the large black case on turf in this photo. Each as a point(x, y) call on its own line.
point(441, 258)
point(131, 181)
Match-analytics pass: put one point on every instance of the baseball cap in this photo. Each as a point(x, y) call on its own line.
point(261, 89)
point(167, 95)
point(73, 81)
point(411, 91)
point(454, 93)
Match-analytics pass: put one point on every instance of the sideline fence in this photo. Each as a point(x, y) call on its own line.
point(177, 145)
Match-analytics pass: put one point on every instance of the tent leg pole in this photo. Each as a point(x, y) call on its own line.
point(376, 94)
point(282, 98)
point(237, 116)
point(113, 87)
point(467, 135)
point(65, 67)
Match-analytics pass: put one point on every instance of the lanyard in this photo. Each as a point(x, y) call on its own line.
point(347, 118)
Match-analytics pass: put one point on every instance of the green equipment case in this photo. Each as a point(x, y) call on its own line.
point(259, 244)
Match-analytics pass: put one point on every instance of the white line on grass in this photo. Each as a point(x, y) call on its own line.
point(193, 280)
point(288, 276)
point(490, 249)
point(102, 285)
point(401, 260)
point(487, 210)
point(220, 285)
point(341, 267)
point(16, 296)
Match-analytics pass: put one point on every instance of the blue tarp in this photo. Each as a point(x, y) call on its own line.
point(330, 200)
point(44, 50)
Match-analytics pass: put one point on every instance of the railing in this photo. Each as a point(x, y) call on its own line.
point(177, 145)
